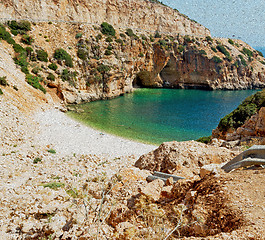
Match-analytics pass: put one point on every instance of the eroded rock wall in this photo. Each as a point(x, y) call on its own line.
point(108, 66)
point(135, 14)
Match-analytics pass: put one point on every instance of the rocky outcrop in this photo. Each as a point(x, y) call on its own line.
point(142, 15)
point(252, 128)
point(183, 158)
point(200, 66)
point(246, 122)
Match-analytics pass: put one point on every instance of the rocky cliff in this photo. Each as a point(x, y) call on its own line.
point(246, 123)
point(143, 15)
point(84, 62)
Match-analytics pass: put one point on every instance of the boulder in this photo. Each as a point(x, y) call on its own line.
point(214, 169)
point(183, 158)
point(153, 189)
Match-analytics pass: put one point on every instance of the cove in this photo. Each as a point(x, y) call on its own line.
point(160, 115)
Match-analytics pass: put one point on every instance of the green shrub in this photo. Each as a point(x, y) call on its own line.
point(35, 70)
point(14, 32)
point(78, 35)
point(243, 112)
point(263, 62)
point(109, 47)
point(205, 140)
point(11, 41)
point(231, 41)
point(260, 53)
point(217, 59)
point(29, 50)
point(21, 25)
point(18, 48)
point(103, 68)
point(3, 33)
point(202, 52)
point(51, 77)
point(27, 39)
point(34, 82)
point(223, 50)
point(229, 58)
point(42, 55)
point(236, 63)
point(107, 29)
point(120, 41)
point(129, 32)
point(144, 37)
point(162, 42)
point(82, 54)
point(24, 69)
point(237, 117)
point(1, 92)
point(141, 54)
point(247, 52)
point(109, 39)
point(108, 52)
point(152, 38)
point(122, 35)
point(33, 57)
point(69, 76)
point(53, 66)
point(53, 185)
point(98, 37)
point(214, 49)
point(157, 35)
point(3, 81)
point(209, 39)
point(36, 160)
point(243, 61)
point(21, 60)
point(51, 151)
point(61, 54)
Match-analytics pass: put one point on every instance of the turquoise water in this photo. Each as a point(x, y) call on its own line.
point(159, 115)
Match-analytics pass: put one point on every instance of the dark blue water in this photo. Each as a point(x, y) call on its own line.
point(159, 115)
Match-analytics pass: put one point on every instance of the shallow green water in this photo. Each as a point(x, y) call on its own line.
point(159, 115)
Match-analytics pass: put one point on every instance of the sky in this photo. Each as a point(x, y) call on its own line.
point(245, 19)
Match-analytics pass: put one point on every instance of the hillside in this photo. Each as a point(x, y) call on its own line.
point(99, 62)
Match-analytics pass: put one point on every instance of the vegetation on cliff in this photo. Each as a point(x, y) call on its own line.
point(243, 112)
point(148, 60)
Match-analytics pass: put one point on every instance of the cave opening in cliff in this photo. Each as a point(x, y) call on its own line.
point(142, 79)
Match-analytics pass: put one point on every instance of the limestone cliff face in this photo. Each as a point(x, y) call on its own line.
point(136, 14)
point(106, 66)
point(200, 65)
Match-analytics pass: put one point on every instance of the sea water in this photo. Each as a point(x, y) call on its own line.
point(159, 115)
